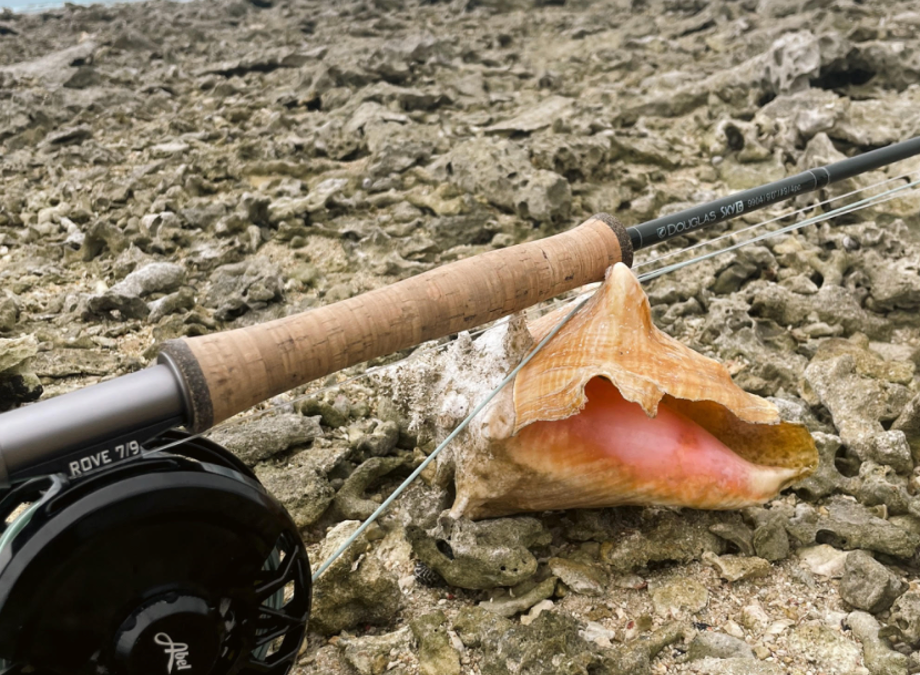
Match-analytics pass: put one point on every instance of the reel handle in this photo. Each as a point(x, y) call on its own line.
point(226, 373)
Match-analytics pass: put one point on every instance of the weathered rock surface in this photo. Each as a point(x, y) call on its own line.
point(164, 174)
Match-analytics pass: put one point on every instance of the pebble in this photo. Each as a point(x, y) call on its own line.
point(736, 568)
point(509, 606)
point(675, 597)
point(538, 609)
point(867, 584)
point(583, 578)
point(718, 645)
point(823, 560)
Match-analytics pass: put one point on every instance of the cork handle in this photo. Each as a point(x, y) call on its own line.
point(226, 373)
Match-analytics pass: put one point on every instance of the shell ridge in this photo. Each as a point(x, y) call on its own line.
point(614, 337)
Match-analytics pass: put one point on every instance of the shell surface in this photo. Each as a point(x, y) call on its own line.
point(613, 411)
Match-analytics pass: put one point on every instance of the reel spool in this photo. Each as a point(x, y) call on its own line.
point(175, 561)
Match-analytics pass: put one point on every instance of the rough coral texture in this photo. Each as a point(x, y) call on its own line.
point(290, 153)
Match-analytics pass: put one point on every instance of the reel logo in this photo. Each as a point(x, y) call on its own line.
point(177, 652)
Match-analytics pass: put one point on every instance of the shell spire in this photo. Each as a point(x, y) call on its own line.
point(614, 411)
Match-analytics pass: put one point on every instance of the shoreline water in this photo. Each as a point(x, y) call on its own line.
point(32, 7)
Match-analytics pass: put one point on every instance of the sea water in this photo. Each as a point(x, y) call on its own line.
point(30, 6)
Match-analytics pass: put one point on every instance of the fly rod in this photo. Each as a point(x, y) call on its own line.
point(87, 490)
point(725, 208)
point(202, 381)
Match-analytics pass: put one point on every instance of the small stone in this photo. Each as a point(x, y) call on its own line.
point(718, 645)
point(878, 655)
point(267, 436)
point(483, 554)
point(735, 531)
point(357, 589)
point(301, 483)
point(827, 478)
point(509, 606)
point(168, 149)
point(537, 610)
point(538, 117)
point(677, 596)
point(240, 287)
point(771, 541)
point(733, 629)
point(18, 383)
point(888, 447)
point(779, 626)
point(905, 617)
point(583, 578)
point(436, 655)
point(867, 584)
point(16, 351)
point(159, 277)
point(712, 666)
point(821, 644)
point(380, 441)
point(754, 618)
point(823, 560)
point(669, 537)
point(631, 581)
point(596, 633)
point(334, 415)
point(181, 300)
point(736, 568)
point(852, 525)
point(370, 654)
point(350, 499)
point(9, 314)
point(475, 625)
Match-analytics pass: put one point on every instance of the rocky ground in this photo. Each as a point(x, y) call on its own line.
point(175, 169)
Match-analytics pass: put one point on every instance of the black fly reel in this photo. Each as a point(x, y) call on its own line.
point(176, 563)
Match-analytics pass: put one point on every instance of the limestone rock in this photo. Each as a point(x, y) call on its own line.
point(481, 554)
point(668, 537)
point(905, 618)
point(371, 654)
point(237, 288)
point(501, 172)
point(435, 655)
point(718, 646)
point(356, 589)
point(581, 577)
point(879, 657)
point(675, 597)
point(510, 605)
point(736, 568)
point(825, 645)
point(868, 584)
point(267, 436)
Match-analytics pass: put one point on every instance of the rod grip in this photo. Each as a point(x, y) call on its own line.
point(226, 373)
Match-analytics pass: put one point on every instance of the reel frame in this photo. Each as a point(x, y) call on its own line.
point(244, 605)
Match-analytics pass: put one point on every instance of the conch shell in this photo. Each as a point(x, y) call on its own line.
point(613, 411)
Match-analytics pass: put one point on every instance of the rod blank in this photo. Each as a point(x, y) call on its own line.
point(664, 228)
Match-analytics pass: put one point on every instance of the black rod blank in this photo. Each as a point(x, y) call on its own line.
point(658, 230)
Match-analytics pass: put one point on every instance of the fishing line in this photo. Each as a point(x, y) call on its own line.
point(890, 194)
point(453, 434)
point(728, 235)
point(843, 210)
point(886, 196)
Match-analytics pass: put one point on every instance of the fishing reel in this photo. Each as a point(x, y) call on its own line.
point(177, 560)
